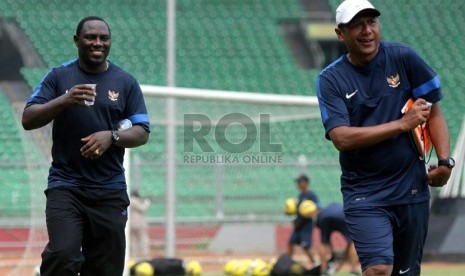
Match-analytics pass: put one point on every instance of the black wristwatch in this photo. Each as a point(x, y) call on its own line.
point(448, 162)
point(114, 136)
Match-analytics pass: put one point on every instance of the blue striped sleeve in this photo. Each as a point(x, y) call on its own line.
point(135, 107)
point(37, 96)
point(423, 79)
point(323, 109)
point(333, 109)
point(139, 118)
point(46, 89)
point(425, 88)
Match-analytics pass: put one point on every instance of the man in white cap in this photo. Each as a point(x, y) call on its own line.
point(384, 180)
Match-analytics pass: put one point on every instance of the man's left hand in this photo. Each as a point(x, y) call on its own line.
point(438, 175)
point(96, 144)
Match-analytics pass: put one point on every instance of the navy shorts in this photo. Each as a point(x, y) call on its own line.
point(302, 236)
point(391, 235)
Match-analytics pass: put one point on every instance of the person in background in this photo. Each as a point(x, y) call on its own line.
point(139, 238)
point(303, 226)
point(331, 219)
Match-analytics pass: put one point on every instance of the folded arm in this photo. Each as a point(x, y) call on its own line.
point(347, 138)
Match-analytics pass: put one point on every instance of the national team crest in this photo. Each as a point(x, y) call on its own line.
point(393, 81)
point(113, 96)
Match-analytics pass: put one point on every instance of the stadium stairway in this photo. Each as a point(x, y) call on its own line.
point(14, 200)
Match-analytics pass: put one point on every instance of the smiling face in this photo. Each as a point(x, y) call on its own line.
point(93, 43)
point(361, 37)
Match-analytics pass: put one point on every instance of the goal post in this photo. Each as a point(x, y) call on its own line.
point(172, 93)
point(230, 96)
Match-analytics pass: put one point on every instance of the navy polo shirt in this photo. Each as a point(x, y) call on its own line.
point(118, 97)
point(390, 172)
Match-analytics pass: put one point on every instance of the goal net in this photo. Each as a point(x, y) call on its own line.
point(236, 157)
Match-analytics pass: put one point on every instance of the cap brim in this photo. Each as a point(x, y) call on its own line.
point(364, 12)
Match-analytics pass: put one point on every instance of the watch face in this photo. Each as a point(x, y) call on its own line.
point(115, 136)
point(451, 162)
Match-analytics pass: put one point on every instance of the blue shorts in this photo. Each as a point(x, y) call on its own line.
point(302, 236)
point(391, 235)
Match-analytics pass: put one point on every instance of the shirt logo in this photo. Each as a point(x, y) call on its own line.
point(348, 96)
point(404, 271)
point(113, 96)
point(393, 81)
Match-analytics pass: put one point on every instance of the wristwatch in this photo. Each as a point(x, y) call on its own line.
point(114, 136)
point(448, 162)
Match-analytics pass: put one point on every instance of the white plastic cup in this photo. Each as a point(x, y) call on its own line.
point(94, 88)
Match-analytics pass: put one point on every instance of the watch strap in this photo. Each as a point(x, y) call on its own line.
point(448, 162)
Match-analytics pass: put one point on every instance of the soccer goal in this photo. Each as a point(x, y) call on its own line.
point(234, 157)
point(456, 186)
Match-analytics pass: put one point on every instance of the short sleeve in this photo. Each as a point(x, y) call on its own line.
point(423, 79)
point(135, 109)
point(45, 91)
point(333, 109)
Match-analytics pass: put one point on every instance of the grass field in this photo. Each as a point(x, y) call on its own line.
point(428, 270)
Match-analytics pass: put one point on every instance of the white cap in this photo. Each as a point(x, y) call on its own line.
point(348, 9)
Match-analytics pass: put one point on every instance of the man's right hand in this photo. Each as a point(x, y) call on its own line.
point(418, 114)
point(38, 115)
point(77, 95)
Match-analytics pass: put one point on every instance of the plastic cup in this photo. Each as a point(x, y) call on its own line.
point(94, 88)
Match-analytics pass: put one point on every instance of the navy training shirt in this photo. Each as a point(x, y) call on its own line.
point(389, 173)
point(334, 211)
point(118, 97)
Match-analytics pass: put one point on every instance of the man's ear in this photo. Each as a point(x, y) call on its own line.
point(339, 34)
point(75, 38)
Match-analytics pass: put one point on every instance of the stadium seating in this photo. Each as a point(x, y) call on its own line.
point(234, 45)
point(14, 198)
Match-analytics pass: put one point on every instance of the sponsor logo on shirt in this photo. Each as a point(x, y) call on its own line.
point(348, 96)
point(113, 96)
point(393, 81)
